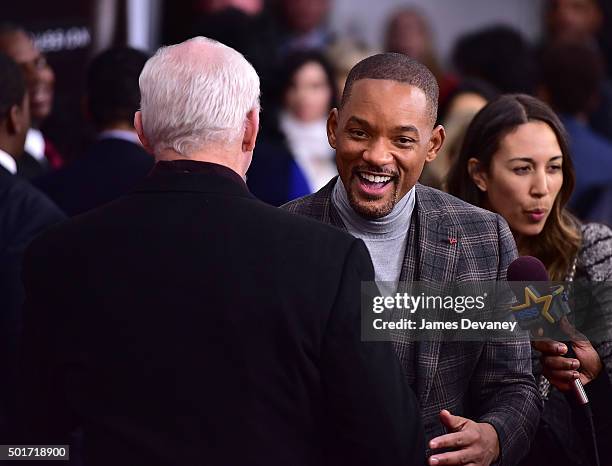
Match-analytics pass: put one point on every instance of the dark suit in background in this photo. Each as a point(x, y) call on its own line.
point(189, 323)
point(274, 177)
point(111, 168)
point(24, 213)
point(30, 168)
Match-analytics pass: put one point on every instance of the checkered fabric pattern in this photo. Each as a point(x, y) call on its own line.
point(452, 241)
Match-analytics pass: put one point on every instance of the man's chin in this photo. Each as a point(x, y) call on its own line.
point(372, 210)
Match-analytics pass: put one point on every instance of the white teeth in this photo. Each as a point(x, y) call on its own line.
point(375, 178)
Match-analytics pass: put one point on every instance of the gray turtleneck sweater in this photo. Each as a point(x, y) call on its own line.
point(385, 237)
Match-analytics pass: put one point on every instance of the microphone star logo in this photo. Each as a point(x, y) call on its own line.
point(533, 302)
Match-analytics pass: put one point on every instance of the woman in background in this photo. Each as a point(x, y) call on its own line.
point(293, 157)
point(515, 161)
point(308, 94)
point(464, 102)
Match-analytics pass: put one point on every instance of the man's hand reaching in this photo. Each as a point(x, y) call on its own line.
point(474, 443)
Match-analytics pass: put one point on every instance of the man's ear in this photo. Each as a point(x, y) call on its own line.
point(332, 127)
point(478, 175)
point(251, 130)
point(140, 132)
point(15, 120)
point(435, 142)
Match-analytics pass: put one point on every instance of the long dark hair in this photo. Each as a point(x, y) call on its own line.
point(559, 241)
point(294, 62)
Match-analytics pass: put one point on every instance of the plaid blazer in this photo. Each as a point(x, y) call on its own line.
point(484, 381)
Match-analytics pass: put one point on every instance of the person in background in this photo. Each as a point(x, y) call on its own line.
point(306, 94)
point(264, 31)
point(409, 32)
point(116, 162)
point(250, 7)
point(343, 54)
point(582, 22)
point(515, 161)
point(24, 213)
point(302, 25)
point(463, 103)
point(598, 201)
point(570, 82)
point(498, 55)
point(41, 155)
point(247, 26)
point(572, 20)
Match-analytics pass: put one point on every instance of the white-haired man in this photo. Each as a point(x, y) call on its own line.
point(190, 324)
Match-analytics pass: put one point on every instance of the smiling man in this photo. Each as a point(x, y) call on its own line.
point(479, 401)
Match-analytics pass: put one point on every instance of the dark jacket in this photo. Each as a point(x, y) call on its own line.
point(564, 436)
point(189, 323)
point(112, 167)
point(24, 213)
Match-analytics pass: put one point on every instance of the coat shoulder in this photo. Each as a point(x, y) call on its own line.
point(595, 254)
point(455, 211)
point(302, 206)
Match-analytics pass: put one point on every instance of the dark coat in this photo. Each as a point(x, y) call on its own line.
point(112, 167)
point(24, 213)
point(189, 323)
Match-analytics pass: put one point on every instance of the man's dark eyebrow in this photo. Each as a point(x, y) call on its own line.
point(365, 124)
point(359, 121)
point(530, 160)
point(407, 128)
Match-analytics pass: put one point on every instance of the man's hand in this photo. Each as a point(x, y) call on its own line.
point(561, 371)
point(474, 442)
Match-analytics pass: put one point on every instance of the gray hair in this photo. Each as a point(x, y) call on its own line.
point(190, 99)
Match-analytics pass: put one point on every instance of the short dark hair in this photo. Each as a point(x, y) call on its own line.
point(572, 74)
point(12, 85)
point(395, 67)
point(112, 85)
point(499, 55)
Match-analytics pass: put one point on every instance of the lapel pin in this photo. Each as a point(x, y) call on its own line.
point(452, 241)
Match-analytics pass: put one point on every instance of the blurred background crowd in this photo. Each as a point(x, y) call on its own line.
point(69, 90)
point(81, 62)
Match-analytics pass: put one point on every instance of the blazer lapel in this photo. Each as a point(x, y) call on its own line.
point(322, 207)
point(431, 257)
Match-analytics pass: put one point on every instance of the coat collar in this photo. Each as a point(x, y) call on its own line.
point(188, 175)
point(432, 249)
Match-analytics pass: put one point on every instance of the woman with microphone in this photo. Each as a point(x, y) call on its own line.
point(515, 161)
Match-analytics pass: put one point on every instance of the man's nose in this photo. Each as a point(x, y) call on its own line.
point(377, 154)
